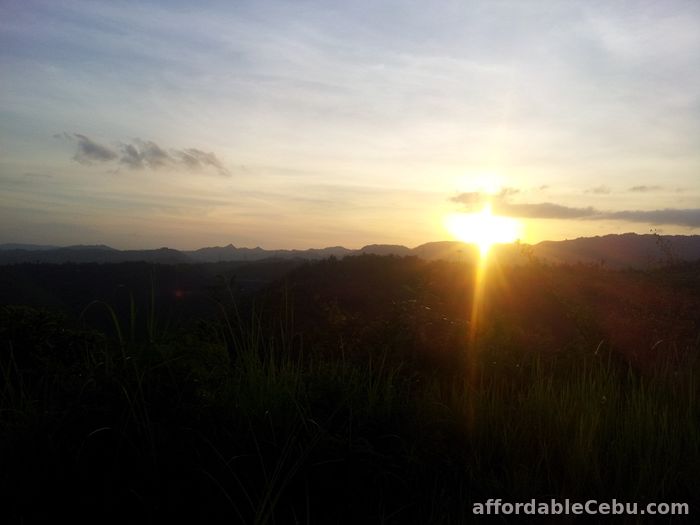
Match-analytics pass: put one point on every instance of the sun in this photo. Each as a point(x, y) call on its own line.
point(483, 229)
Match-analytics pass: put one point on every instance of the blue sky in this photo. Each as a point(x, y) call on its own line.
point(305, 124)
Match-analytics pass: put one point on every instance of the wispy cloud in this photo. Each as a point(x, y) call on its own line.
point(544, 210)
point(131, 157)
point(197, 159)
point(678, 217)
point(145, 154)
point(502, 206)
point(645, 189)
point(141, 154)
point(90, 151)
point(472, 201)
point(599, 190)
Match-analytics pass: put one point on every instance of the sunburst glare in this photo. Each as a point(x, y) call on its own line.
point(483, 229)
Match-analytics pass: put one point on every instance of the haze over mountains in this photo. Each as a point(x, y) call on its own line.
point(614, 251)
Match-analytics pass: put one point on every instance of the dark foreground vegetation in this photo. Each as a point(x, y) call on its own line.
point(354, 391)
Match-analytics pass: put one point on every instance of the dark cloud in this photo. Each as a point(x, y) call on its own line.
point(64, 136)
point(196, 159)
point(145, 153)
point(131, 157)
point(476, 199)
point(644, 189)
point(543, 210)
point(37, 175)
point(599, 190)
point(155, 156)
point(140, 154)
point(473, 201)
point(469, 199)
point(90, 151)
point(507, 192)
point(687, 217)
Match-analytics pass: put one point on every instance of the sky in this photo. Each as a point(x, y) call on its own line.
point(298, 124)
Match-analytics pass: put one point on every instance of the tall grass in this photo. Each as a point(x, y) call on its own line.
point(242, 422)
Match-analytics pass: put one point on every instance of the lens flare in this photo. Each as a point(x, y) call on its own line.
point(482, 229)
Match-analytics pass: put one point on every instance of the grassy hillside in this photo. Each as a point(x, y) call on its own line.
point(355, 391)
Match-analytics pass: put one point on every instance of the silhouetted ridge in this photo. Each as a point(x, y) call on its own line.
point(386, 249)
point(614, 251)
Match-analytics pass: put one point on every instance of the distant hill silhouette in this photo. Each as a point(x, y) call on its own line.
point(386, 249)
point(614, 251)
point(448, 250)
point(624, 250)
point(231, 253)
point(92, 254)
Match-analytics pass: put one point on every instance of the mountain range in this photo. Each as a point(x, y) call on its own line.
point(614, 251)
